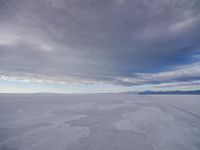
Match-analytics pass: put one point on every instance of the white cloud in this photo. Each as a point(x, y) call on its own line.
point(186, 24)
point(181, 73)
point(15, 37)
point(8, 39)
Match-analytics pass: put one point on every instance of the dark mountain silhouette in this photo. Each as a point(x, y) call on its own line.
point(197, 92)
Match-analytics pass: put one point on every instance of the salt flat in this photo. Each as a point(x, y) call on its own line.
point(99, 122)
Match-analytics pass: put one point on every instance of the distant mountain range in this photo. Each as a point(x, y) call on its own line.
point(197, 92)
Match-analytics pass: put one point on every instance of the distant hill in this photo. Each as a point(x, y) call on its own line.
point(197, 92)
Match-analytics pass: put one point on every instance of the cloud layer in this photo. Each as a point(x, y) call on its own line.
point(126, 42)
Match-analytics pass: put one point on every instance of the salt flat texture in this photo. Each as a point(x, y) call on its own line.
point(99, 122)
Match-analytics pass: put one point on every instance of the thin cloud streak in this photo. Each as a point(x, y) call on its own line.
point(182, 73)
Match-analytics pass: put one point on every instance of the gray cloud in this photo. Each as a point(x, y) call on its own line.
point(124, 42)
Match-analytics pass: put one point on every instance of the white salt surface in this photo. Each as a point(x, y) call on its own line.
point(99, 122)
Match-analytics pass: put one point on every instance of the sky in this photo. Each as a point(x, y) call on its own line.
point(92, 46)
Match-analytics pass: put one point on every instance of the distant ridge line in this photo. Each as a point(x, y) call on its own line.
point(195, 92)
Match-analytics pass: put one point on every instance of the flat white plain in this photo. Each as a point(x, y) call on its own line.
point(99, 122)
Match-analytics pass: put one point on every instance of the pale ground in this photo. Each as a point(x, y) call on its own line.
point(99, 122)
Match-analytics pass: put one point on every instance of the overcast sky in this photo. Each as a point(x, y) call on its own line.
point(99, 45)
